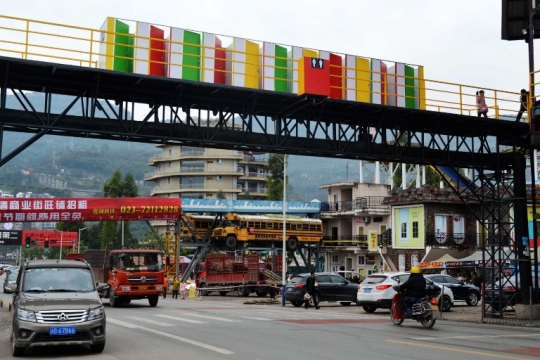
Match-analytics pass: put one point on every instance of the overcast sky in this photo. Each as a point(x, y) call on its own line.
point(456, 41)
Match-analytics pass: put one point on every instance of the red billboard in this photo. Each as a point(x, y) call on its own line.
point(37, 237)
point(88, 209)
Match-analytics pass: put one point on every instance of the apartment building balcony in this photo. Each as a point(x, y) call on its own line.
point(354, 242)
point(361, 206)
point(255, 176)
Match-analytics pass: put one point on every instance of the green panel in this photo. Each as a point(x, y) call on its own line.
point(123, 48)
point(191, 59)
point(409, 88)
point(280, 73)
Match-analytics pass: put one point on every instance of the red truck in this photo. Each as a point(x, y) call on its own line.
point(243, 274)
point(132, 274)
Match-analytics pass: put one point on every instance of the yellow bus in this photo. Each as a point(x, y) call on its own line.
point(266, 230)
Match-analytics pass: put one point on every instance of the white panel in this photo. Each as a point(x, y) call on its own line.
point(400, 81)
point(294, 54)
point(376, 81)
point(102, 62)
point(268, 66)
point(209, 55)
point(142, 52)
point(350, 77)
point(239, 62)
point(175, 51)
point(324, 55)
point(391, 86)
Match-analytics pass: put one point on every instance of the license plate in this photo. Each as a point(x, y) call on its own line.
point(290, 289)
point(367, 290)
point(435, 307)
point(143, 287)
point(62, 330)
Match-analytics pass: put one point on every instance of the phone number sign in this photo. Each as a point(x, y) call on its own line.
point(89, 209)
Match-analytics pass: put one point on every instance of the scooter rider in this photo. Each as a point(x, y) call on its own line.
point(414, 289)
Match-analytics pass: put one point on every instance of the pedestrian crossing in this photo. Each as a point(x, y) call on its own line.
point(235, 315)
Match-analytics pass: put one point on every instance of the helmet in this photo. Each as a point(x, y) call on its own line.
point(415, 270)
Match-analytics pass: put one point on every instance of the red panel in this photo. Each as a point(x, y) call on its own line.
point(89, 209)
point(67, 238)
point(157, 51)
point(219, 63)
point(316, 80)
point(336, 76)
point(384, 70)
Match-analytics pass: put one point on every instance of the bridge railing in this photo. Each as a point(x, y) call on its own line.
point(242, 62)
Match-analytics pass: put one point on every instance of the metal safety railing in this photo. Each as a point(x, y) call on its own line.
point(88, 47)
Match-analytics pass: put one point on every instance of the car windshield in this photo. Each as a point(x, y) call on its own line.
point(375, 279)
point(140, 261)
point(57, 279)
point(12, 276)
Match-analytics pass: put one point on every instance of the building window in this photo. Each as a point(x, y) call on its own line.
point(218, 178)
point(361, 260)
point(170, 151)
point(335, 258)
point(415, 229)
point(404, 230)
point(219, 161)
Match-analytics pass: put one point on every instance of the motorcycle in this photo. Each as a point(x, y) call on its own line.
point(423, 310)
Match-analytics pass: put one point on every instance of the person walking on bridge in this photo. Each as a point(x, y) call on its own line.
point(481, 104)
point(523, 99)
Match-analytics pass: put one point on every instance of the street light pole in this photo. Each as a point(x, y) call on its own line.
point(284, 251)
point(79, 240)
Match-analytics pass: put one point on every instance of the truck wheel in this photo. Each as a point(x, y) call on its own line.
point(203, 292)
point(292, 243)
point(230, 242)
point(242, 291)
point(153, 300)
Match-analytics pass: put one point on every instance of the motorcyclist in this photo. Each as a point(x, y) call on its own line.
point(414, 289)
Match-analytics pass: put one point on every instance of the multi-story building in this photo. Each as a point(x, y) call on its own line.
point(355, 217)
point(203, 173)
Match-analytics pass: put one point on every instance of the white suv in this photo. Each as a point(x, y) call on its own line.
point(376, 291)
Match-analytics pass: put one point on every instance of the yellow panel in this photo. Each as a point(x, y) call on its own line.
point(301, 82)
point(309, 53)
point(422, 84)
point(252, 65)
point(363, 76)
point(109, 39)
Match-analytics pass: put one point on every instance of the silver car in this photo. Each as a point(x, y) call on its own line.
point(44, 313)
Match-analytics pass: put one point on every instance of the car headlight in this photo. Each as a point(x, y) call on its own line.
point(25, 315)
point(96, 313)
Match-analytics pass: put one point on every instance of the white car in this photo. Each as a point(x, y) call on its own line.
point(376, 291)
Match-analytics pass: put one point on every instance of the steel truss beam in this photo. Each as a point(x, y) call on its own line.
point(128, 107)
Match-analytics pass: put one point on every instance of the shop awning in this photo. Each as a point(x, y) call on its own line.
point(438, 258)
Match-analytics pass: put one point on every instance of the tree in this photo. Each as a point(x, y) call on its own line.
point(111, 232)
point(221, 195)
point(275, 177)
point(245, 196)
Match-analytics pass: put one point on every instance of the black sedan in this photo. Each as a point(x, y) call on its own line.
point(331, 287)
point(461, 290)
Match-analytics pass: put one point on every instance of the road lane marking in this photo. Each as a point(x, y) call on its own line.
point(463, 351)
point(255, 318)
point(212, 317)
point(149, 321)
point(175, 337)
point(181, 319)
point(476, 337)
